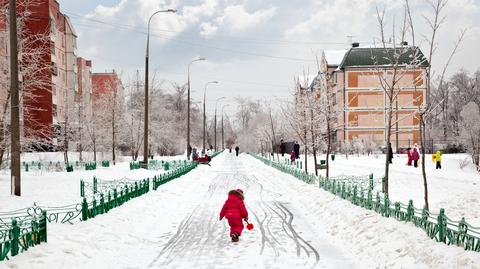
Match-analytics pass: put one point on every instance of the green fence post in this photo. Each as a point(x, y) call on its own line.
point(386, 206)
point(102, 204)
point(84, 209)
point(442, 226)
point(94, 184)
point(82, 188)
point(410, 210)
point(15, 235)
point(43, 227)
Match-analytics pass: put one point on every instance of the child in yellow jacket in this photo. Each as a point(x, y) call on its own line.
point(438, 159)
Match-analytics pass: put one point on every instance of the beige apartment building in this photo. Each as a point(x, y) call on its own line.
point(357, 79)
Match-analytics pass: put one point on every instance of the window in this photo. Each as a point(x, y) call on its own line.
point(54, 110)
point(334, 78)
point(54, 69)
point(52, 25)
point(52, 48)
point(54, 90)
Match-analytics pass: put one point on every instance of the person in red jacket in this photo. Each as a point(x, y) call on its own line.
point(409, 157)
point(234, 211)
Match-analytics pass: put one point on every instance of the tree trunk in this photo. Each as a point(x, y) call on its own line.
point(424, 174)
point(389, 131)
point(329, 142)
point(314, 148)
point(94, 150)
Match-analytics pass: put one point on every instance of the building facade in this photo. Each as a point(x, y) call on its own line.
point(359, 81)
point(47, 72)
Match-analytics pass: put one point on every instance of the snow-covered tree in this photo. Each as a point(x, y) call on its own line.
point(470, 130)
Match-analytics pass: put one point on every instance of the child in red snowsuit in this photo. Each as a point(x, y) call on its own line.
point(234, 211)
point(292, 157)
point(409, 157)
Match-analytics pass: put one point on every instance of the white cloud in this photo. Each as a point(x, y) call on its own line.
point(333, 19)
point(208, 29)
point(136, 13)
point(237, 18)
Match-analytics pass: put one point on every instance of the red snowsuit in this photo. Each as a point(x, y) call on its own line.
point(292, 157)
point(234, 211)
point(409, 156)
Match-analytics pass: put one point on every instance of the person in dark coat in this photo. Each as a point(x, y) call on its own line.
point(296, 148)
point(282, 147)
point(237, 149)
point(390, 153)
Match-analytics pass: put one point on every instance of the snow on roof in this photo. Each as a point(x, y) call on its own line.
point(306, 80)
point(334, 57)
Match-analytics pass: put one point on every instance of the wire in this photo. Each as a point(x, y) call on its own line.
point(224, 38)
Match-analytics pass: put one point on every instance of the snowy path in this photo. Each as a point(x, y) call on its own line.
point(281, 237)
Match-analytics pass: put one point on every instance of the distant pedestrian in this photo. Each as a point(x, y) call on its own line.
point(292, 157)
point(415, 156)
point(234, 211)
point(194, 154)
point(296, 148)
point(390, 153)
point(237, 149)
point(438, 159)
point(282, 147)
point(409, 156)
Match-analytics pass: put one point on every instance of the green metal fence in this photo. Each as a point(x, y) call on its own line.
point(354, 189)
point(172, 174)
point(61, 166)
point(102, 202)
point(19, 230)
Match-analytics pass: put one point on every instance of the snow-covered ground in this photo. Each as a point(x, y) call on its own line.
point(453, 188)
point(61, 188)
point(296, 226)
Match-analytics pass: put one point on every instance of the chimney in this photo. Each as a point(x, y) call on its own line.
point(355, 45)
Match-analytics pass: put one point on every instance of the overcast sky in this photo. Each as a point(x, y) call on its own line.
point(254, 48)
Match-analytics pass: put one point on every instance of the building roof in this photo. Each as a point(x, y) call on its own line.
point(334, 57)
point(374, 56)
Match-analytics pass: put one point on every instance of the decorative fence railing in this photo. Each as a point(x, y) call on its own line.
point(20, 230)
point(437, 226)
point(172, 174)
point(61, 166)
point(112, 196)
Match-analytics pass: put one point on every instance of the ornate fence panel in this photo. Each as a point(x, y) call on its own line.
point(19, 230)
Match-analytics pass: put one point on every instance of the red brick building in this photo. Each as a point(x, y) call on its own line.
point(48, 79)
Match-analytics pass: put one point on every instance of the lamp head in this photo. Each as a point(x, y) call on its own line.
point(172, 10)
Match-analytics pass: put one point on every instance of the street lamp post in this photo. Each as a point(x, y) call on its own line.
point(189, 148)
point(215, 123)
point(145, 128)
point(204, 114)
point(223, 141)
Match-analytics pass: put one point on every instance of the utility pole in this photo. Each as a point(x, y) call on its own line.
point(145, 128)
point(15, 174)
point(204, 114)
point(189, 147)
point(215, 123)
point(223, 141)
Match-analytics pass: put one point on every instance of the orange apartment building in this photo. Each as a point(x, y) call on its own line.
point(360, 102)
